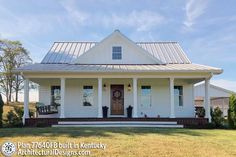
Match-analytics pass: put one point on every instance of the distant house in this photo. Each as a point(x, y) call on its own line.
point(155, 78)
point(219, 97)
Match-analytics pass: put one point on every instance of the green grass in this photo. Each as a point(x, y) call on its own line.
point(135, 141)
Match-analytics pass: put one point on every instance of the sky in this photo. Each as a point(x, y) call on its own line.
point(206, 29)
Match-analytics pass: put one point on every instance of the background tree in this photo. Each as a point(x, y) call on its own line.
point(12, 55)
point(232, 112)
point(1, 109)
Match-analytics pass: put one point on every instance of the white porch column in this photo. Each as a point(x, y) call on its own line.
point(207, 105)
point(62, 113)
point(135, 97)
point(99, 97)
point(172, 103)
point(26, 100)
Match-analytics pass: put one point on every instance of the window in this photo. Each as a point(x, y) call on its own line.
point(87, 95)
point(178, 90)
point(55, 95)
point(116, 52)
point(145, 96)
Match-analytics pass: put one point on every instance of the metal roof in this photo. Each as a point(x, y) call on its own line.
point(118, 68)
point(67, 52)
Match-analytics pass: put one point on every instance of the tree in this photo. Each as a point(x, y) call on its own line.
point(1, 110)
point(232, 112)
point(12, 55)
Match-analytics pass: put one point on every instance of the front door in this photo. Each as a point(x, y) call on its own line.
point(117, 99)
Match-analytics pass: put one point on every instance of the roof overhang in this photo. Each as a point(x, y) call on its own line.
point(117, 71)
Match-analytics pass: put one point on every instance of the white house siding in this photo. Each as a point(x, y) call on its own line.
point(45, 89)
point(102, 53)
point(160, 99)
point(187, 110)
point(74, 98)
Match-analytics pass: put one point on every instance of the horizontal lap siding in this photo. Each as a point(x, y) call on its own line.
point(44, 94)
point(74, 98)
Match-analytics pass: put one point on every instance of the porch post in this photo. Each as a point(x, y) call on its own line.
point(172, 104)
point(207, 100)
point(135, 96)
point(26, 100)
point(62, 115)
point(99, 97)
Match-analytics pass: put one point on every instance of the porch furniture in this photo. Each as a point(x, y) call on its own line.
point(43, 109)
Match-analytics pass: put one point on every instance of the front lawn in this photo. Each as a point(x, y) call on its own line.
point(135, 141)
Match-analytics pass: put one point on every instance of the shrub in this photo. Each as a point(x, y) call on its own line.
point(14, 117)
point(217, 117)
point(232, 112)
point(1, 110)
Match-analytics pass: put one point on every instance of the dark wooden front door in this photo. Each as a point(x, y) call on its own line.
point(117, 99)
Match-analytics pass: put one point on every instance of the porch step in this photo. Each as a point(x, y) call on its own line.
point(151, 124)
point(116, 122)
point(118, 125)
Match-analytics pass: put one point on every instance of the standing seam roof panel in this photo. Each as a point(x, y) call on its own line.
point(162, 57)
point(47, 57)
point(67, 52)
point(62, 53)
point(165, 52)
point(72, 52)
point(155, 52)
point(54, 54)
point(179, 56)
point(182, 53)
point(176, 55)
point(171, 55)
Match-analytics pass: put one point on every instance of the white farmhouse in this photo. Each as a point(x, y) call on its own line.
point(155, 78)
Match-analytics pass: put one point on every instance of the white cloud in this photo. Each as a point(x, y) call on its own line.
point(227, 84)
point(194, 9)
point(143, 20)
point(75, 15)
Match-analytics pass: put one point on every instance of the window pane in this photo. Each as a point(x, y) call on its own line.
point(55, 95)
point(88, 96)
point(176, 100)
point(178, 91)
point(145, 96)
point(116, 49)
point(116, 52)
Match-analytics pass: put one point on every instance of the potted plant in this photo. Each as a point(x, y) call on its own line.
point(104, 111)
point(200, 112)
point(129, 111)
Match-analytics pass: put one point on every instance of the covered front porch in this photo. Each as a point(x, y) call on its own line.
point(152, 97)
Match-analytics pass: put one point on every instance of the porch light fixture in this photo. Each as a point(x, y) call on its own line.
point(129, 87)
point(104, 87)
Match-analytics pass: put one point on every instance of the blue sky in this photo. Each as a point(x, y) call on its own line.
point(206, 29)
